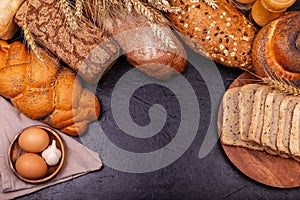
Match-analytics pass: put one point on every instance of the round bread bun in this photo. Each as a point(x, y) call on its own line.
point(276, 47)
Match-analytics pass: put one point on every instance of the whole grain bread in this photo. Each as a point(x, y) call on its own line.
point(271, 118)
point(218, 31)
point(246, 102)
point(284, 124)
point(257, 119)
point(294, 144)
point(230, 134)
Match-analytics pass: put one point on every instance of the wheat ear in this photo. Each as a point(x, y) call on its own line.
point(164, 6)
point(79, 8)
point(284, 86)
point(158, 32)
point(29, 37)
point(66, 10)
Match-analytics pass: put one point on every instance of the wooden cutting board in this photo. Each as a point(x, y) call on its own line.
point(260, 166)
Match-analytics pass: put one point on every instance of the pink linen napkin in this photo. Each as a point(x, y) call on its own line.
point(79, 159)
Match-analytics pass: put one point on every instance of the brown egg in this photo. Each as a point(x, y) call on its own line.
point(31, 166)
point(33, 140)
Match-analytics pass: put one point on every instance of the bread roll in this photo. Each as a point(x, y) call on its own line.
point(86, 50)
point(7, 25)
point(44, 90)
point(223, 34)
point(276, 48)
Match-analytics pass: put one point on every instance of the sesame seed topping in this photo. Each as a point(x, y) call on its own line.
point(235, 44)
point(179, 17)
point(225, 52)
point(228, 24)
point(222, 59)
point(221, 46)
point(228, 19)
point(196, 28)
point(232, 54)
point(207, 37)
point(186, 25)
point(234, 49)
point(224, 13)
point(213, 55)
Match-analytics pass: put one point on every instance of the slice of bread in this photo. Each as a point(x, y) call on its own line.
point(257, 120)
point(295, 133)
point(271, 118)
point(230, 134)
point(284, 124)
point(246, 100)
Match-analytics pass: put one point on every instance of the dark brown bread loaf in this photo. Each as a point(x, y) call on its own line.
point(276, 48)
point(221, 33)
point(86, 50)
point(44, 90)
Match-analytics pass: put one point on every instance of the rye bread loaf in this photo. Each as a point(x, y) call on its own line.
point(284, 124)
point(246, 102)
point(230, 134)
point(87, 50)
point(257, 119)
point(294, 144)
point(271, 118)
point(223, 34)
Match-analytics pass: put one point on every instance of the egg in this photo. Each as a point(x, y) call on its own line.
point(33, 140)
point(31, 166)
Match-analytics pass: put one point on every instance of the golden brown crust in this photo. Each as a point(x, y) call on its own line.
point(44, 90)
point(275, 48)
point(223, 34)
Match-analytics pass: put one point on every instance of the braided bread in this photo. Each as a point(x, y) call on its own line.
point(276, 48)
point(44, 90)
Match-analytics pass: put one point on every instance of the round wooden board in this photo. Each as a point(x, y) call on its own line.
point(260, 166)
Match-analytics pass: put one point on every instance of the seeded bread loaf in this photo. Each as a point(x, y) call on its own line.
point(230, 134)
point(294, 144)
point(257, 120)
point(271, 118)
point(87, 50)
point(219, 31)
point(284, 124)
point(246, 102)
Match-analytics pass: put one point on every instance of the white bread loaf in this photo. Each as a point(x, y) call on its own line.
point(256, 126)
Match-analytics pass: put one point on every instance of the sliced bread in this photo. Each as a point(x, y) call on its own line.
point(284, 124)
point(295, 133)
point(257, 120)
point(271, 118)
point(230, 134)
point(246, 100)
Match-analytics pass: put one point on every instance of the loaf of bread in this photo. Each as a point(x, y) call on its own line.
point(257, 119)
point(279, 126)
point(276, 48)
point(86, 50)
point(45, 91)
point(145, 50)
point(218, 31)
point(7, 25)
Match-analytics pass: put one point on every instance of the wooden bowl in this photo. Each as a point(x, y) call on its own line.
point(15, 151)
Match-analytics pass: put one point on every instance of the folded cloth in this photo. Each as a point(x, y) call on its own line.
point(79, 159)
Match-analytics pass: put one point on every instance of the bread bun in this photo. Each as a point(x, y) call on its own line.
point(276, 48)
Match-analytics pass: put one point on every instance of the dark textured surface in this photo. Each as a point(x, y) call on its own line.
point(212, 177)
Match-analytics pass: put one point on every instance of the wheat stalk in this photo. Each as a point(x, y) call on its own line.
point(158, 32)
point(281, 85)
point(79, 8)
point(29, 37)
point(164, 6)
point(66, 10)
